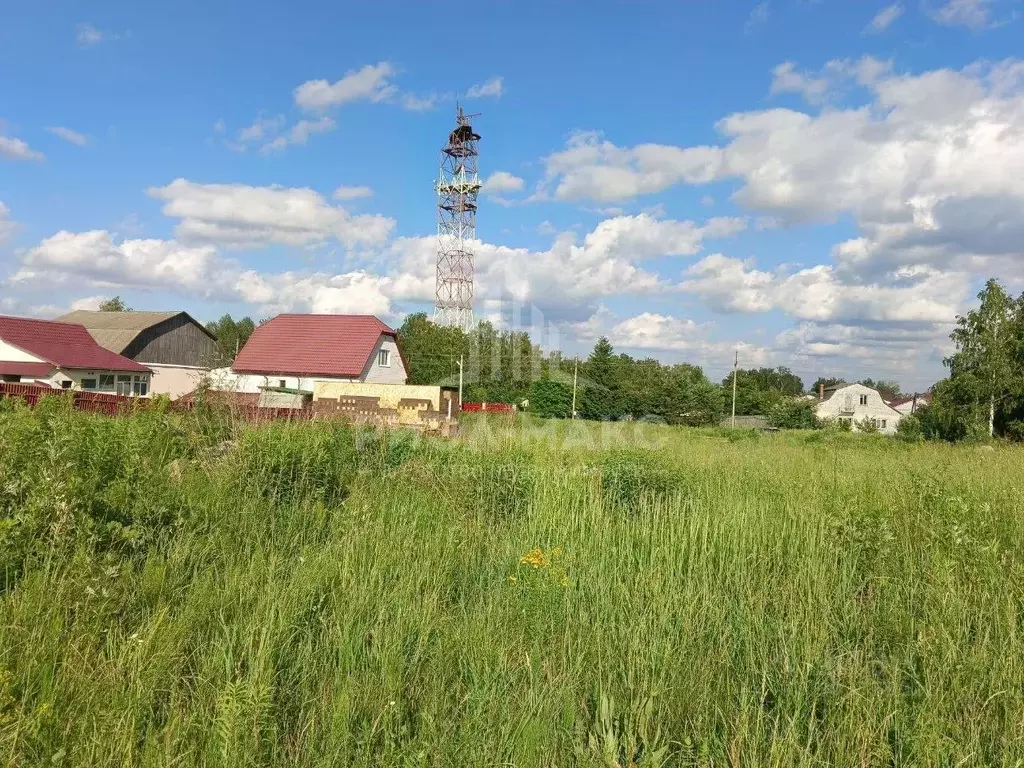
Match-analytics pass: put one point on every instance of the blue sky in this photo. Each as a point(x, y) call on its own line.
point(819, 184)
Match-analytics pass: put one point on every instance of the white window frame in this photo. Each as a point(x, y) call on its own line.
point(384, 358)
point(863, 399)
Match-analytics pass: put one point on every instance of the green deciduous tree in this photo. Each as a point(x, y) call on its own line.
point(231, 337)
point(116, 304)
point(987, 370)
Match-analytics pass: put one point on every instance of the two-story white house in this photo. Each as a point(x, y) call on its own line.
point(853, 403)
point(297, 351)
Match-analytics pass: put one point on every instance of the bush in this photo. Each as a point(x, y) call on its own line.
point(794, 413)
point(910, 429)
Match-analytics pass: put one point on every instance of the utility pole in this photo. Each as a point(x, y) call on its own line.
point(735, 365)
point(460, 382)
point(575, 373)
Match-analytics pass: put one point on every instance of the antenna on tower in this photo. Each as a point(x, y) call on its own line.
point(457, 189)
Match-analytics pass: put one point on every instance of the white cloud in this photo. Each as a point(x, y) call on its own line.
point(261, 128)
point(16, 149)
point(973, 14)
point(834, 76)
point(758, 17)
point(88, 35)
point(654, 331)
point(884, 18)
point(500, 182)
point(7, 226)
point(351, 193)
point(220, 127)
point(300, 133)
point(414, 103)
point(593, 168)
point(493, 87)
point(371, 83)
point(69, 135)
point(351, 293)
point(93, 256)
point(240, 215)
point(821, 293)
point(88, 302)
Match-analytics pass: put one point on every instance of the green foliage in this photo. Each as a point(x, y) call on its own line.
point(559, 593)
point(116, 304)
point(760, 390)
point(985, 389)
point(231, 337)
point(551, 399)
point(824, 381)
point(794, 413)
point(910, 429)
point(867, 427)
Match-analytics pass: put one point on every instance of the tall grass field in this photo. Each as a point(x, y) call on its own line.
point(184, 591)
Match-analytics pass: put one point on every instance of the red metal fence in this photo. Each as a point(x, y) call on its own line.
point(118, 405)
point(489, 407)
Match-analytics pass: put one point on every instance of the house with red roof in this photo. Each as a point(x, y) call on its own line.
point(296, 351)
point(65, 356)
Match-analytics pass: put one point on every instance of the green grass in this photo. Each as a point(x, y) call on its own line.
point(316, 596)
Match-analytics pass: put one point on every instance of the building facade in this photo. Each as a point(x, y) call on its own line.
point(177, 348)
point(65, 356)
point(855, 404)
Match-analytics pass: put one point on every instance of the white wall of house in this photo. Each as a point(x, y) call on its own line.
point(854, 403)
point(174, 380)
point(12, 354)
point(226, 380)
point(387, 368)
point(105, 382)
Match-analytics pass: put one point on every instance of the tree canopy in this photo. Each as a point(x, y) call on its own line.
point(231, 337)
point(115, 304)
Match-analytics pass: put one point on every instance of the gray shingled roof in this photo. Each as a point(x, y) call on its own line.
point(116, 330)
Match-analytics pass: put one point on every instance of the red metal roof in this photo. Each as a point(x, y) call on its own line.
point(63, 344)
point(312, 345)
point(10, 368)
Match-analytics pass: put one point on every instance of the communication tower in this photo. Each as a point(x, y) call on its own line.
point(457, 189)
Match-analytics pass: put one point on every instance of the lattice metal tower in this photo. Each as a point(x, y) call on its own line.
point(457, 190)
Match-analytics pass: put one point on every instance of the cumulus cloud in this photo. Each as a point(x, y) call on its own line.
point(973, 14)
point(911, 294)
point(884, 18)
point(300, 133)
point(68, 135)
point(351, 193)
point(370, 83)
point(490, 88)
point(240, 215)
point(667, 333)
point(17, 149)
point(501, 182)
point(69, 257)
point(7, 226)
point(88, 35)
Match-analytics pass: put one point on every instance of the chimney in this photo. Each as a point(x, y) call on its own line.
point(821, 392)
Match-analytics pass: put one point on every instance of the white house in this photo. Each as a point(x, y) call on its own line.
point(854, 403)
point(65, 356)
point(297, 351)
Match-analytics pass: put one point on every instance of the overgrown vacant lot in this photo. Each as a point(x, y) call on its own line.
point(531, 596)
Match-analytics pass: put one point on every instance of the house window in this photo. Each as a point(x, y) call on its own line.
point(282, 383)
point(106, 382)
point(124, 385)
point(88, 383)
point(384, 358)
point(883, 424)
point(65, 385)
point(140, 387)
point(11, 378)
point(863, 399)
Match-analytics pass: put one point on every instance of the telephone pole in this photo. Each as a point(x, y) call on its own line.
point(575, 372)
point(735, 365)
